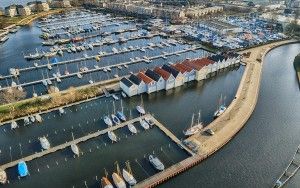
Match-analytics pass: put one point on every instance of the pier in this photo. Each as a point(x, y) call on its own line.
point(290, 170)
point(68, 144)
point(102, 68)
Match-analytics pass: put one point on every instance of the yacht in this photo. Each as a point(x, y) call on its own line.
point(108, 121)
point(75, 149)
point(22, 169)
point(115, 119)
point(220, 111)
point(105, 183)
point(115, 97)
point(156, 163)
point(194, 128)
point(140, 109)
point(128, 177)
point(112, 136)
point(3, 176)
point(38, 118)
point(13, 125)
point(132, 128)
point(121, 116)
point(149, 121)
point(144, 124)
point(44, 142)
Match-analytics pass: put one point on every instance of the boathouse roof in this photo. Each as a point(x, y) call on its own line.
point(153, 75)
point(126, 82)
point(136, 80)
point(145, 78)
point(166, 75)
point(171, 70)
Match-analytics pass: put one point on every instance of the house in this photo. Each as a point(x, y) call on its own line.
point(42, 6)
point(202, 67)
point(142, 88)
point(179, 78)
point(168, 77)
point(128, 87)
point(23, 10)
point(150, 84)
point(2, 12)
point(61, 4)
point(160, 82)
point(11, 11)
point(187, 72)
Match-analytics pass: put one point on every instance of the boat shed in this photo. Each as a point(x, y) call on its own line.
point(168, 77)
point(187, 72)
point(219, 60)
point(142, 88)
point(179, 78)
point(150, 84)
point(200, 68)
point(128, 87)
point(160, 82)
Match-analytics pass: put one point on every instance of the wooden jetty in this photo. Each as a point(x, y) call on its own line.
point(290, 170)
point(68, 144)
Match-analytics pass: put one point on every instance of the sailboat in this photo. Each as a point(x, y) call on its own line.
point(140, 108)
point(61, 111)
point(74, 147)
point(221, 109)
point(38, 118)
point(34, 94)
point(114, 118)
point(32, 119)
point(194, 128)
point(91, 80)
point(48, 64)
point(120, 114)
point(127, 175)
point(13, 125)
point(131, 127)
point(26, 121)
point(44, 81)
point(78, 73)
point(66, 71)
point(112, 136)
point(105, 183)
point(49, 82)
point(108, 121)
point(118, 180)
point(144, 124)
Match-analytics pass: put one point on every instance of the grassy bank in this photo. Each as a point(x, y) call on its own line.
point(47, 102)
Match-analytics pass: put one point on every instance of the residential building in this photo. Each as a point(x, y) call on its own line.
point(168, 77)
point(23, 10)
point(151, 84)
point(42, 6)
point(160, 82)
point(128, 87)
point(11, 11)
point(142, 87)
point(2, 12)
point(61, 4)
point(179, 78)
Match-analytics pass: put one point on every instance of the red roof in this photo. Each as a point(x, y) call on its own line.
point(198, 63)
point(144, 77)
point(166, 75)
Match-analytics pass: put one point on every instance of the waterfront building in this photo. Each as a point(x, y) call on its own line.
point(168, 77)
point(23, 10)
point(61, 4)
point(42, 6)
point(201, 68)
point(150, 84)
point(2, 12)
point(179, 78)
point(187, 72)
point(219, 62)
point(142, 87)
point(160, 82)
point(128, 87)
point(11, 11)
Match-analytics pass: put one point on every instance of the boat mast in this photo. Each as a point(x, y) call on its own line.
point(199, 117)
point(192, 123)
point(118, 168)
point(128, 167)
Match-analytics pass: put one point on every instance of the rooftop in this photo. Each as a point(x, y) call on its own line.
point(144, 77)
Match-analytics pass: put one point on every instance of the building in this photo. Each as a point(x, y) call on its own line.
point(61, 4)
point(202, 67)
point(23, 10)
point(179, 78)
point(188, 73)
point(168, 77)
point(128, 87)
point(160, 82)
point(2, 12)
point(11, 11)
point(150, 84)
point(42, 6)
point(142, 88)
point(220, 27)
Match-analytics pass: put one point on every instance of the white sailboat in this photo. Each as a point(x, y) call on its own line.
point(194, 128)
point(128, 175)
point(221, 109)
point(144, 124)
point(131, 127)
point(140, 108)
point(112, 136)
point(38, 118)
point(118, 180)
point(108, 121)
point(32, 119)
point(61, 111)
point(34, 94)
point(105, 183)
point(26, 121)
point(74, 147)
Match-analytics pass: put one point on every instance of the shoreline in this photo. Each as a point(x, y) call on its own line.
point(230, 122)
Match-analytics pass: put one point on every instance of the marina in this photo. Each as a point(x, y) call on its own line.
point(140, 136)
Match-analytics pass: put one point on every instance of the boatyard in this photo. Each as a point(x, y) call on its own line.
point(93, 98)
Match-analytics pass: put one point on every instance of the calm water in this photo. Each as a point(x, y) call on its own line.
point(263, 148)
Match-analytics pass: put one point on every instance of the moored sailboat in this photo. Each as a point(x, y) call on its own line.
point(194, 128)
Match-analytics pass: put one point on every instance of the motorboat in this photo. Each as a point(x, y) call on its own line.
point(115, 119)
point(38, 118)
point(115, 97)
point(75, 149)
point(121, 116)
point(44, 142)
point(156, 163)
point(140, 109)
point(61, 111)
point(13, 125)
point(26, 121)
point(132, 128)
point(149, 121)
